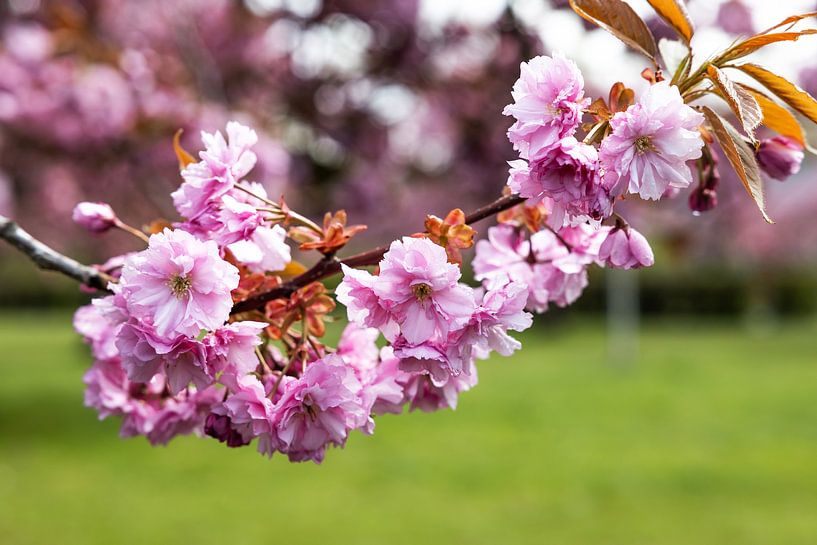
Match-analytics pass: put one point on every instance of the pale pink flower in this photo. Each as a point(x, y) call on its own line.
point(97, 330)
point(500, 310)
point(231, 348)
point(107, 388)
point(566, 175)
point(223, 164)
point(383, 390)
point(428, 358)
point(265, 251)
point(548, 103)
point(358, 348)
point(626, 248)
point(319, 409)
point(180, 284)
point(421, 289)
point(363, 306)
point(181, 415)
point(421, 392)
point(248, 408)
point(96, 217)
point(145, 354)
point(651, 143)
point(553, 270)
point(780, 157)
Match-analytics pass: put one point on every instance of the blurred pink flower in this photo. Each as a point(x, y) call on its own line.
point(780, 157)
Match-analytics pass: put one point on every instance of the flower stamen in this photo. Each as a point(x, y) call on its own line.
point(180, 285)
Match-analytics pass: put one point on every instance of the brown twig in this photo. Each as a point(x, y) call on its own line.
point(329, 265)
point(49, 259)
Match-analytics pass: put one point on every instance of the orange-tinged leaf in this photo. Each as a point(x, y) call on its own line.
point(674, 12)
point(787, 91)
point(292, 269)
point(741, 156)
point(754, 43)
point(599, 110)
point(181, 154)
point(790, 21)
point(778, 118)
point(743, 104)
point(619, 19)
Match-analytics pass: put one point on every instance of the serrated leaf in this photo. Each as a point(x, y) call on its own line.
point(742, 103)
point(619, 19)
point(778, 118)
point(784, 89)
point(674, 12)
point(754, 43)
point(741, 156)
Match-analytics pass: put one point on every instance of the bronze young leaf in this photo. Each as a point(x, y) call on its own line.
point(786, 90)
point(741, 156)
point(618, 18)
point(674, 12)
point(742, 103)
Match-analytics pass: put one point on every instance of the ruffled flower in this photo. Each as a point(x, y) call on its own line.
point(548, 103)
point(179, 284)
point(651, 143)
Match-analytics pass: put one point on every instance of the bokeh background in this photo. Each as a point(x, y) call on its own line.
point(673, 405)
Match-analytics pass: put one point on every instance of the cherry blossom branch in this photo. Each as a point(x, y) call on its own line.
point(329, 265)
point(47, 258)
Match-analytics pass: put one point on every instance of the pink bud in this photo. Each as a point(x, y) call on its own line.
point(626, 248)
point(97, 217)
point(703, 199)
point(780, 157)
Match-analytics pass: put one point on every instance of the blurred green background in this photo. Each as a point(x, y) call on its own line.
point(709, 437)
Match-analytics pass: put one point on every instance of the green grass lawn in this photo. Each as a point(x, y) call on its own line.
point(710, 438)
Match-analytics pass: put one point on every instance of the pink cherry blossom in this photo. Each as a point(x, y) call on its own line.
point(500, 310)
point(97, 217)
point(231, 348)
point(651, 143)
point(417, 291)
point(97, 330)
point(552, 267)
point(223, 164)
point(548, 102)
point(145, 354)
point(265, 251)
point(181, 416)
point(249, 410)
point(179, 284)
point(626, 248)
point(421, 392)
point(319, 409)
point(567, 176)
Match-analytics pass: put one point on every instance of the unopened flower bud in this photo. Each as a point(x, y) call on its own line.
point(97, 217)
point(780, 157)
point(702, 199)
point(218, 426)
point(626, 248)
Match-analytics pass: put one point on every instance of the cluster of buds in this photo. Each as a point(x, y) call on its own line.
point(215, 328)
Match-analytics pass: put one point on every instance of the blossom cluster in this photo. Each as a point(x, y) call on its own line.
point(172, 357)
point(216, 328)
